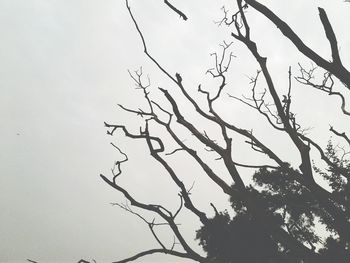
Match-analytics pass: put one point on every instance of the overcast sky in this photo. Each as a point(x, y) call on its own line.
point(63, 70)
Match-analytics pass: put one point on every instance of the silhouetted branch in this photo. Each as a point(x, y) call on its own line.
point(174, 151)
point(178, 79)
point(226, 20)
point(322, 154)
point(215, 210)
point(182, 15)
point(340, 134)
point(256, 166)
point(225, 153)
point(117, 164)
point(174, 243)
point(154, 251)
point(326, 85)
point(85, 261)
point(335, 67)
point(144, 44)
point(184, 193)
point(259, 103)
point(181, 119)
point(219, 70)
point(212, 175)
point(155, 152)
point(141, 135)
point(149, 224)
point(180, 207)
point(158, 210)
point(330, 35)
point(303, 149)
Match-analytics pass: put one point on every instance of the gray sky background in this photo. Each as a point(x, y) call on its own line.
point(63, 69)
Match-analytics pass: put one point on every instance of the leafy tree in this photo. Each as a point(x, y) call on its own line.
point(275, 217)
point(291, 205)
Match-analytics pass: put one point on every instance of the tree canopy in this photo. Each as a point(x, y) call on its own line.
point(277, 215)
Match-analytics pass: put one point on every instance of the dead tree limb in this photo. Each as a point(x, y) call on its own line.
point(172, 7)
point(335, 66)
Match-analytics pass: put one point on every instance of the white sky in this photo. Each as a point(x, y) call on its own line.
point(62, 72)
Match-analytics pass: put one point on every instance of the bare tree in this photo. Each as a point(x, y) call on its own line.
point(281, 209)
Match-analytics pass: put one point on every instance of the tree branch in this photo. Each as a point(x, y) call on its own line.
point(181, 14)
point(340, 134)
point(330, 35)
point(154, 251)
point(335, 67)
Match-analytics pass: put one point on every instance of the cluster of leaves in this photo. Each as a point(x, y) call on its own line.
point(290, 205)
point(337, 174)
point(292, 200)
point(238, 239)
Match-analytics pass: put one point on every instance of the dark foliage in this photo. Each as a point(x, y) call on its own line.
point(242, 238)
